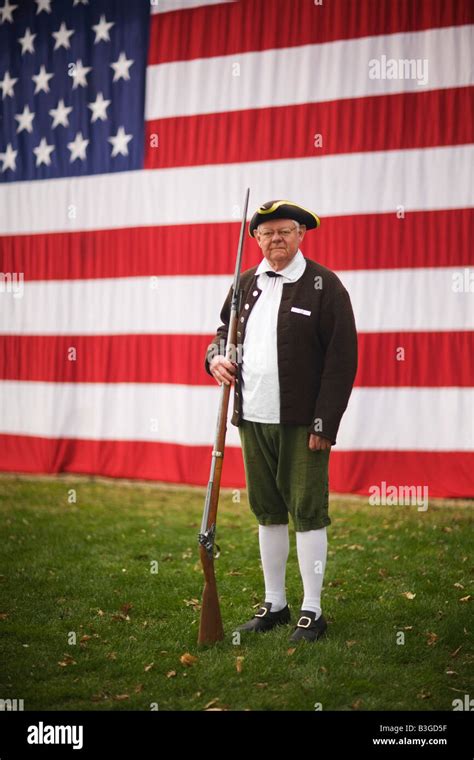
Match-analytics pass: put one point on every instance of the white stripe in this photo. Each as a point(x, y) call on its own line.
point(383, 300)
point(356, 183)
point(421, 419)
point(164, 6)
point(332, 70)
point(418, 419)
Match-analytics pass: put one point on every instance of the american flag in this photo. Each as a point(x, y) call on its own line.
point(128, 134)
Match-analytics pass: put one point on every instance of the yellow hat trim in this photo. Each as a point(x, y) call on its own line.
point(277, 204)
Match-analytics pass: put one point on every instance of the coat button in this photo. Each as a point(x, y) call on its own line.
point(255, 293)
point(241, 319)
point(247, 306)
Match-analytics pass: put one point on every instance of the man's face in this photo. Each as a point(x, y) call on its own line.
point(280, 247)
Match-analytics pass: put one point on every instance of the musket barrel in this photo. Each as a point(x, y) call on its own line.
point(211, 629)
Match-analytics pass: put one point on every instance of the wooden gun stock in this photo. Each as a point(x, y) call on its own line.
point(210, 627)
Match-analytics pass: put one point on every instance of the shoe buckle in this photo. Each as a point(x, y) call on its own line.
point(301, 624)
point(263, 613)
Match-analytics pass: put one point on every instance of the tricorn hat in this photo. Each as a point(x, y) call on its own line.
point(283, 210)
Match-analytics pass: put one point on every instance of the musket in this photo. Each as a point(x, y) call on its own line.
point(210, 627)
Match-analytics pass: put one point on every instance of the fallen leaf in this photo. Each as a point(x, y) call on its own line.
point(451, 673)
point(357, 704)
point(171, 674)
point(188, 659)
point(238, 664)
point(68, 660)
point(291, 651)
point(211, 703)
point(351, 643)
point(424, 694)
point(85, 637)
point(125, 608)
point(261, 685)
point(121, 697)
point(408, 594)
point(120, 617)
point(138, 688)
point(97, 697)
point(148, 667)
point(465, 598)
point(432, 638)
point(192, 603)
point(456, 652)
point(458, 585)
point(3, 615)
point(356, 546)
point(111, 655)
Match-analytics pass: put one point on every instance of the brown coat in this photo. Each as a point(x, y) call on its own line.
point(317, 354)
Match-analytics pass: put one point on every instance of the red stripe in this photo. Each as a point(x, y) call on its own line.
point(370, 241)
point(267, 134)
point(430, 359)
point(251, 25)
point(447, 474)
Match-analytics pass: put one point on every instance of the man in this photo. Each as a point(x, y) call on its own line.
point(296, 363)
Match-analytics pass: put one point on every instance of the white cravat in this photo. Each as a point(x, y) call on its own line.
point(260, 385)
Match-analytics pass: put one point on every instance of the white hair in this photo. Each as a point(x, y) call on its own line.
point(298, 225)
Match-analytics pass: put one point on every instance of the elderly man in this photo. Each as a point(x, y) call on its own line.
point(293, 378)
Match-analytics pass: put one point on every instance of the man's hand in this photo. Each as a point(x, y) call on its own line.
point(317, 443)
point(222, 370)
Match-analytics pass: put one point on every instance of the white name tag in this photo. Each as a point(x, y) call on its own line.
point(301, 311)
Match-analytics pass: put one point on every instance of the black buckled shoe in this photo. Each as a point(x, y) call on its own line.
point(264, 620)
point(308, 628)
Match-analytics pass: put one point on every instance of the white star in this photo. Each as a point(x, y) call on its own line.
point(80, 2)
point(6, 11)
point(9, 158)
point(25, 120)
point(43, 5)
point(62, 37)
point(7, 84)
point(43, 152)
point(79, 74)
point(120, 142)
point(99, 108)
point(121, 67)
point(42, 80)
point(60, 114)
point(26, 42)
point(102, 30)
point(78, 147)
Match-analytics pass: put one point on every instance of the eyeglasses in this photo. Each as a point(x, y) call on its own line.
point(285, 232)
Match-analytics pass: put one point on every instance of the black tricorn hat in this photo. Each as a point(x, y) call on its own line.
point(283, 210)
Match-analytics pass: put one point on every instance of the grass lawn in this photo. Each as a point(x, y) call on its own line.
point(86, 624)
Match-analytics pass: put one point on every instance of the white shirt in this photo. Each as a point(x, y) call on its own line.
point(260, 384)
